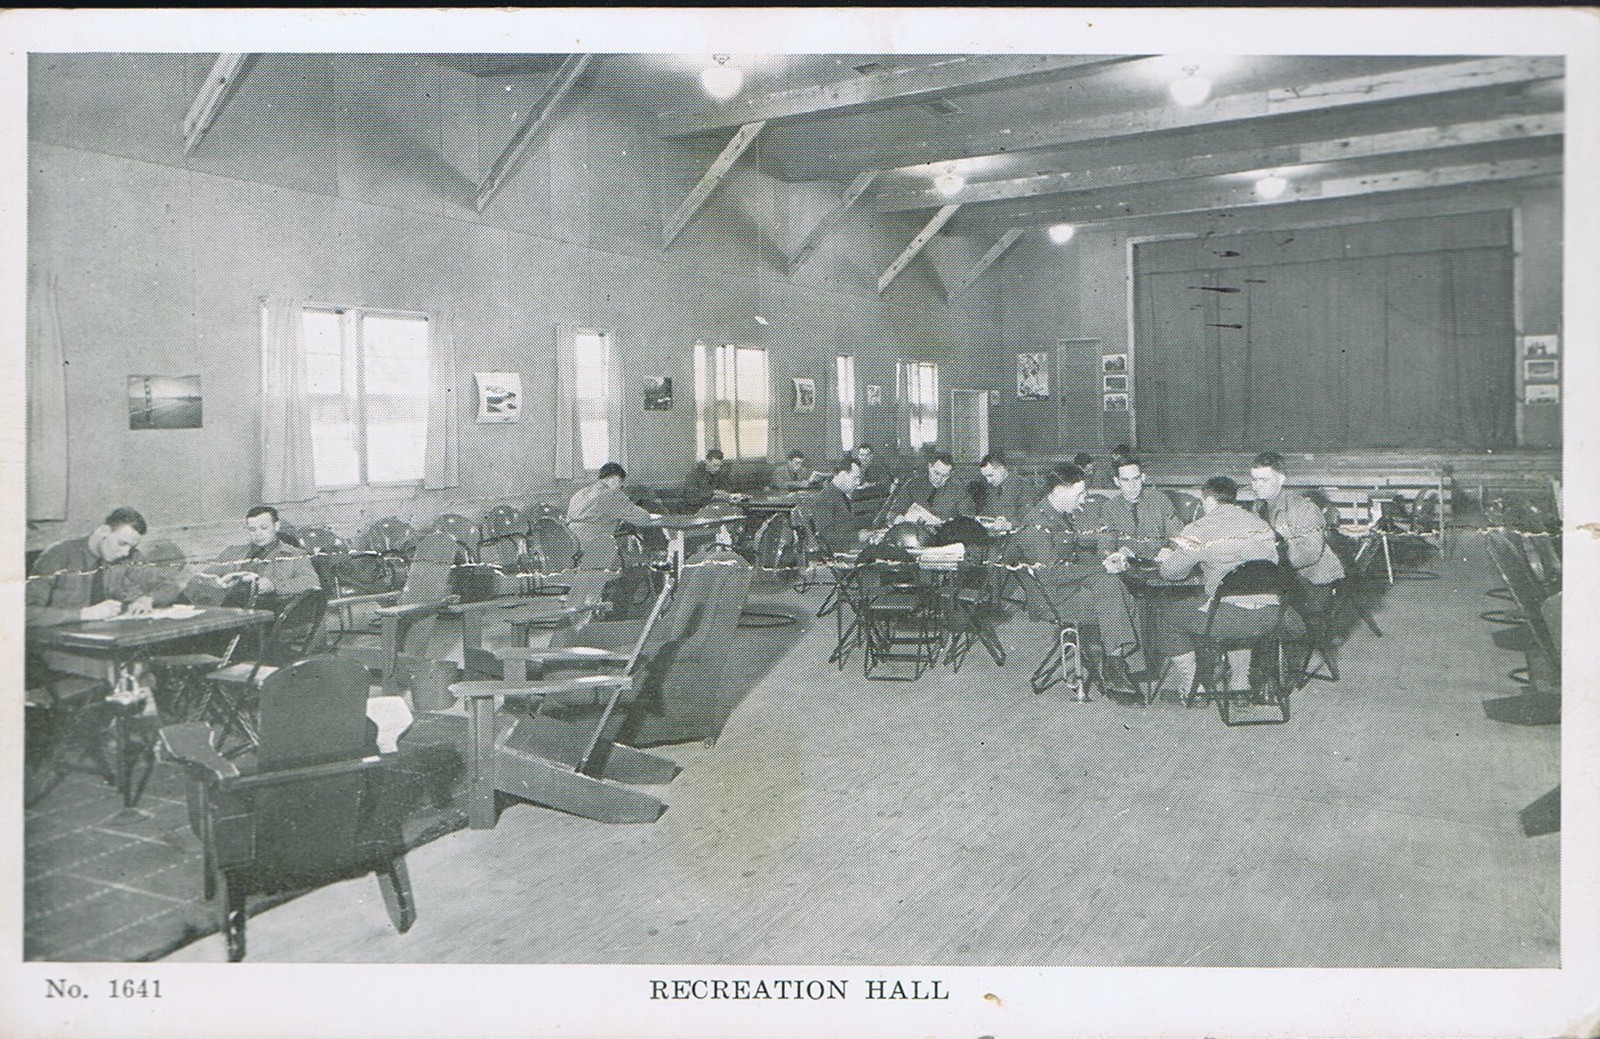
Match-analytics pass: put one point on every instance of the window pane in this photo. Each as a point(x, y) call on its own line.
point(334, 461)
point(753, 390)
point(846, 371)
point(396, 355)
point(593, 387)
point(701, 390)
point(320, 332)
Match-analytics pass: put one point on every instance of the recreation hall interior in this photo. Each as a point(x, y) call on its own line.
point(451, 537)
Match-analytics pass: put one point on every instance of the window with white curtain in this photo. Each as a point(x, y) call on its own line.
point(367, 390)
point(845, 370)
point(737, 381)
point(594, 382)
point(922, 398)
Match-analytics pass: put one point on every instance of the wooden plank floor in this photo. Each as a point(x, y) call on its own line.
point(963, 820)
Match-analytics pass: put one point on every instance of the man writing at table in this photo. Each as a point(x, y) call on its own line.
point(934, 491)
point(708, 481)
point(97, 577)
point(796, 475)
point(996, 494)
point(274, 569)
point(837, 526)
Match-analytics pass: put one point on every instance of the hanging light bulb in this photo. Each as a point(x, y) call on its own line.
point(1271, 186)
point(949, 182)
point(721, 80)
point(1061, 234)
point(1192, 89)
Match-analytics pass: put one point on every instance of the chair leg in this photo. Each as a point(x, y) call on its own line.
point(395, 883)
point(233, 918)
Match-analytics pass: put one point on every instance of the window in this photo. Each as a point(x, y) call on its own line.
point(367, 389)
point(736, 381)
point(845, 367)
point(593, 351)
point(921, 382)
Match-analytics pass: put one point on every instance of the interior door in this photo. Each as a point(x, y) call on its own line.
point(969, 424)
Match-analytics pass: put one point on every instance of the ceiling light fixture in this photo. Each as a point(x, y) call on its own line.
point(1271, 186)
point(721, 80)
point(949, 182)
point(1192, 89)
point(1061, 234)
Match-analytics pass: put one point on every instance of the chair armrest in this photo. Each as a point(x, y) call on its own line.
point(576, 691)
point(565, 655)
point(417, 608)
point(357, 600)
point(565, 613)
point(190, 744)
point(509, 602)
point(327, 770)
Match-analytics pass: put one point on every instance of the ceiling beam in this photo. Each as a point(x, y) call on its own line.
point(538, 117)
point(826, 225)
point(878, 88)
point(214, 91)
point(1209, 198)
point(923, 237)
point(702, 191)
point(997, 250)
point(1488, 131)
point(1429, 80)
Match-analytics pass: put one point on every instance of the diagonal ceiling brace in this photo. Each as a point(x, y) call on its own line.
point(828, 223)
point(996, 251)
point(923, 237)
point(538, 117)
point(219, 84)
point(687, 209)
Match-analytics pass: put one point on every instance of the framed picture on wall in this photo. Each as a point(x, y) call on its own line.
point(1541, 369)
point(805, 395)
point(164, 402)
point(1116, 384)
point(1033, 376)
point(874, 396)
point(1116, 402)
point(1541, 346)
point(499, 396)
point(1541, 393)
point(1114, 364)
point(658, 393)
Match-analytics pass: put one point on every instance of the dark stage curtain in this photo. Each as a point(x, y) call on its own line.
point(1303, 347)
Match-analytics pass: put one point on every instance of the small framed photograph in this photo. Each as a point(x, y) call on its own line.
point(1114, 364)
point(658, 393)
point(164, 402)
point(805, 395)
point(1541, 346)
point(1116, 384)
point(1541, 393)
point(1541, 369)
point(499, 396)
point(874, 396)
point(1033, 376)
point(1116, 402)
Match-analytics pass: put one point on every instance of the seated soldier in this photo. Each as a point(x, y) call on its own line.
point(709, 481)
point(796, 475)
point(267, 570)
point(996, 493)
point(97, 577)
point(875, 478)
point(837, 526)
point(1223, 538)
point(934, 491)
point(1133, 524)
point(1047, 543)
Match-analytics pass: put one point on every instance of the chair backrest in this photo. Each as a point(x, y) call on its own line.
point(1257, 577)
point(312, 713)
point(293, 635)
point(462, 529)
point(504, 521)
point(555, 545)
point(428, 579)
point(321, 540)
point(390, 535)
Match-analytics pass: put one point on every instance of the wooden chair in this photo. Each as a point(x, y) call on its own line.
point(307, 809)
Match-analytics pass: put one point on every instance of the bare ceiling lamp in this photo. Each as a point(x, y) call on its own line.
point(1192, 89)
point(1061, 234)
point(949, 182)
point(1271, 186)
point(721, 80)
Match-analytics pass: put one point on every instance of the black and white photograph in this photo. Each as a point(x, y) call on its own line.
point(458, 675)
point(658, 393)
point(164, 402)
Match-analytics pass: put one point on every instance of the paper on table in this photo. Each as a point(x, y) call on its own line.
point(918, 514)
point(177, 611)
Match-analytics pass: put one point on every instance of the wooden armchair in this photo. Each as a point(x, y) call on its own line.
point(307, 808)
